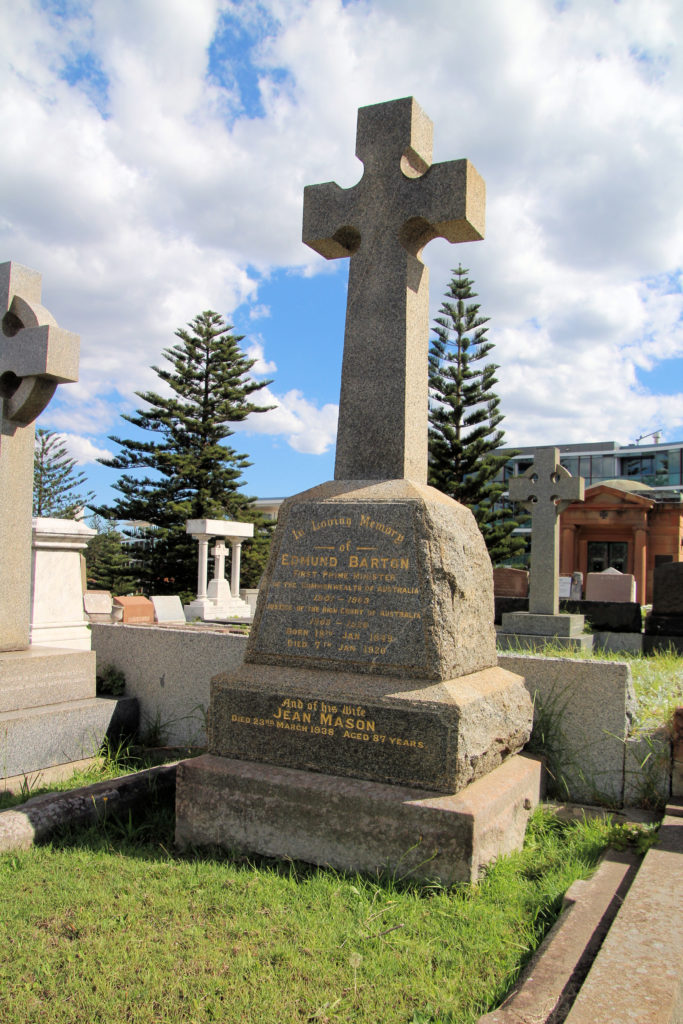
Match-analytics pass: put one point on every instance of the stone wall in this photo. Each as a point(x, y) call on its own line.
point(582, 716)
point(169, 671)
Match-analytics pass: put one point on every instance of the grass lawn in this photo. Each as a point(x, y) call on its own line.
point(110, 925)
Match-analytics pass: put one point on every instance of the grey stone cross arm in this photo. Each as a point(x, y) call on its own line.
point(401, 203)
point(545, 490)
point(35, 354)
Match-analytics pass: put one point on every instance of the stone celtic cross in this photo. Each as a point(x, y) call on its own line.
point(402, 202)
point(35, 356)
point(545, 490)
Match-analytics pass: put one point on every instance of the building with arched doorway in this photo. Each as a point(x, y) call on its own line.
point(624, 525)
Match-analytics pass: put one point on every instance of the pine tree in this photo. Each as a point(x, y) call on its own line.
point(193, 473)
point(108, 561)
point(56, 484)
point(465, 417)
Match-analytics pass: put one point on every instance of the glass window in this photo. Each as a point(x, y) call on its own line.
point(607, 555)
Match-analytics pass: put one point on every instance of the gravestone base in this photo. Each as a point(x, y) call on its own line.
point(353, 824)
point(534, 641)
point(208, 611)
point(532, 629)
point(438, 736)
point(655, 644)
point(49, 714)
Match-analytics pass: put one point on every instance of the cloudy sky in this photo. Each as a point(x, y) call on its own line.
point(154, 155)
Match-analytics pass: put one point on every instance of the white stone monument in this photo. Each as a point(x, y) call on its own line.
point(58, 618)
point(218, 600)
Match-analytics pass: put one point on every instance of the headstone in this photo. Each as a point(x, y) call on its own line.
point(545, 490)
point(576, 589)
point(49, 715)
point(509, 582)
point(137, 610)
point(610, 585)
point(664, 624)
point(98, 605)
point(168, 608)
point(57, 615)
point(370, 724)
point(217, 600)
point(564, 587)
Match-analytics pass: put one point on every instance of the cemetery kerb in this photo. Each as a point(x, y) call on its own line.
point(370, 725)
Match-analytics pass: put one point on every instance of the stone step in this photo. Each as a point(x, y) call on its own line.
point(37, 738)
point(43, 676)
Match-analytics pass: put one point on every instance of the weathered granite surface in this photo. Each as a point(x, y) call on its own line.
point(387, 577)
point(402, 202)
point(352, 824)
point(438, 736)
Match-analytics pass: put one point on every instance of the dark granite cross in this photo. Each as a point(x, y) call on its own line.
point(35, 356)
point(402, 202)
point(545, 490)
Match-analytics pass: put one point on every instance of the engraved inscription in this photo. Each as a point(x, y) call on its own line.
point(345, 588)
point(318, 718)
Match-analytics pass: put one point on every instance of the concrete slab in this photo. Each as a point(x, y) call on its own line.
point(637, 977)
point(535, 642)
point(36, 820)
point(352, 824)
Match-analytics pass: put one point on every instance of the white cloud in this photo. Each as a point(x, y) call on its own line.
point(306, 428)
point(178, 201)
point(82, 449)
point(259, 311)
point(262, 366)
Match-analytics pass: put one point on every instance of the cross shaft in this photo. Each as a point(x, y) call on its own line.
point(545, 490)
point(401, 203)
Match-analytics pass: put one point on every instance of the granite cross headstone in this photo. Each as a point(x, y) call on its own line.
point(35, 356)
point(545, 490)
point(402, 202)
point(371, 669)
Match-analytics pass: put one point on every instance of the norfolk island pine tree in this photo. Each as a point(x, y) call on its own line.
point(465, 417)
point(56, 482)
point(190, 473)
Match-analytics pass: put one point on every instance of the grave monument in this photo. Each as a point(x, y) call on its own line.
point(545, 490)
point(49, 715)
point(218, 600)
point(370, 725)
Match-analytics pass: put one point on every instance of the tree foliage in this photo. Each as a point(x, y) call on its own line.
point(56, 482)
point(108, 560)
point(465, 418)
point(189, 472)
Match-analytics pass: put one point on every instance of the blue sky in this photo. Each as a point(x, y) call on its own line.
point(155, 154)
